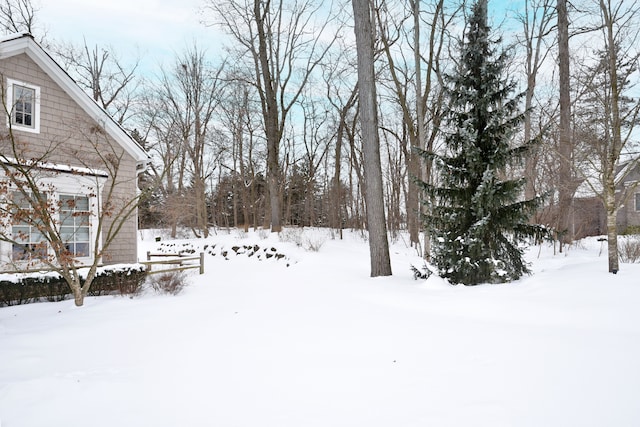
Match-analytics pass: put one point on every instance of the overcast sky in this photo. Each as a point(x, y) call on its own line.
point(156, 28)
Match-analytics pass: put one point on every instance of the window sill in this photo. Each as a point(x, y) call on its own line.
point(28, 129)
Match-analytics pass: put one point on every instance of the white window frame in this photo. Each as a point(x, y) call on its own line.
point(67, 184)
point(11, 83)
point(74, 221)
point(28, 242)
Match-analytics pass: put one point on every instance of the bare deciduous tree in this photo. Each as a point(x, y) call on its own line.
point(566, 190)
point(416, 83)
point(182, 116)
point(374, 194)
point(100, 72)
point(537, 25)
point(18, 16)
point(341, 93)
point(282, 46)
point(610, 113)
point(236, 113)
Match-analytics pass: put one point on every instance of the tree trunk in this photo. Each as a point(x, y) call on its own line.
point(376, 223)
point(244, 190)
point(336, 201)
point(530, 161)
point(616, 133)
point(201, 206)
point(612, 234)
point(274, 188)
point(270, 114)
point(564, 144)
point(413, 164)
point(174, 227)
point(78, 296)
point(335, 205)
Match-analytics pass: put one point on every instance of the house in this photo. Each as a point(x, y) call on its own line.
point(50, 121)
point(589, 217)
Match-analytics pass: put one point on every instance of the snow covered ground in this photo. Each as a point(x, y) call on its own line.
point(319, 343)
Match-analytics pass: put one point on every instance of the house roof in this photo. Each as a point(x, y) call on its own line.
point(627, 173)
point(19, 43)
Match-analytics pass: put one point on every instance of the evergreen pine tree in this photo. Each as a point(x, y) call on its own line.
point(477, 218)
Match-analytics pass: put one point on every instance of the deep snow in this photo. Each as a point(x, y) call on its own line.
point(319, 343)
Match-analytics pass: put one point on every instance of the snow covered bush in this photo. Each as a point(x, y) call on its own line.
point(311, 239)
point(313, 244)
point(240, 234)
point(120, 280)
point(16, 289)
point(24, 288)
point(171, 282)
point(629, 249)
point(421, 273)
point(291, 235)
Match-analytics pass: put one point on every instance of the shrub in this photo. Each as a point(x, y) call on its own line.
point(291, 235)
point(120, 280)
point(170, 282)
point(632, 229)
point(313, 244)
point(629, 249)
point(421, 273)
point(25, 288)
point(240, 234)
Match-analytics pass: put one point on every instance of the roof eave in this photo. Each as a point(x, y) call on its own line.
point(24, 43)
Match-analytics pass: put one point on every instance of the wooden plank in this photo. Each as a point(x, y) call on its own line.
point(180, 260)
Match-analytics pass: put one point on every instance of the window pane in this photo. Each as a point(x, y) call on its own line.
point(638, 201)
point(24, 94)
point(67, 220)
point(39, 250)
point(20, 233)
point(66, 234)
point(36, 236)
point(82, 203)
point(19, 200)
point(82, 234)
point(19, 253)
point(66, 202)
point(83, 220)
point(82, 249)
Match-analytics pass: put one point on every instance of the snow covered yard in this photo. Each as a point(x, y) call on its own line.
point(319, 343)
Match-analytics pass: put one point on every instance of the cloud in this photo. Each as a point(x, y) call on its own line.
point(157, 28)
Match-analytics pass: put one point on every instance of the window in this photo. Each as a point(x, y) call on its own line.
point(74, 224)
point(74, 228)
point(638, 202)
point(23, 100)
point(24, 106)
point(30, 241)
point(72, 202)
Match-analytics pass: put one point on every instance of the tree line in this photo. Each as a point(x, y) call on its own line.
point(271, 133)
